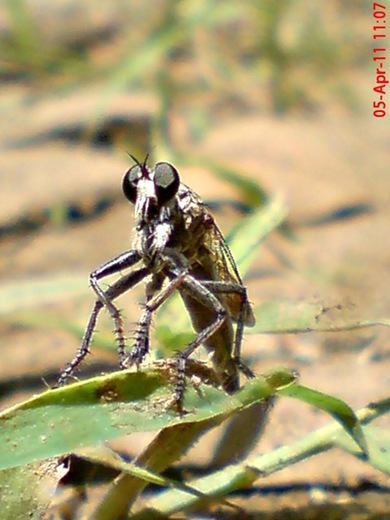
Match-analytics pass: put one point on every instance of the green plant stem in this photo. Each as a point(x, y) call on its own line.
point(168, 445)
point(243, 475)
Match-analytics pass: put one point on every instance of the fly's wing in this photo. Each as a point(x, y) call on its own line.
point(225, 270)
point(208, 254)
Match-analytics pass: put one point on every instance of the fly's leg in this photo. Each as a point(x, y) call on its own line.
point(118, 288)
point(123, 261)
point(84, 347)
point(122, 285)
point(154, 300)
point(141, 335)
point(232, 288)
point(206, 297)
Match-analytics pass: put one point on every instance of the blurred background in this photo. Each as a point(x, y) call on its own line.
point(278, 94)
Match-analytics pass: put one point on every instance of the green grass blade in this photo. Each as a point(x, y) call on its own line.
point(105, 456)
point(82, 414)
point(172, 441)
point(286, 316)
point(378, 446)
point(165, 449)
point(333, 406)
point(250, 232)
point(249, 189)
point(243, 475)
point(41, 291)
point(26, 492)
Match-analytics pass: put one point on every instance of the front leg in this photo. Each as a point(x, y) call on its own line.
point(119, 287)
point(123, 261)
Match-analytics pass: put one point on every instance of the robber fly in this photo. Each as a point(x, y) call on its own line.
point(178, 246)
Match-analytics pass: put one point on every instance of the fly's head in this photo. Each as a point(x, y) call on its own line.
point(153, 192)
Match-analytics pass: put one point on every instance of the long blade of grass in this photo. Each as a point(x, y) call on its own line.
point(82, 414)
point(337, 408)
point(171, 442)
point(287, 316)
point(245, 238)
point(37, 292)
point(26, 492)
point(243, 475)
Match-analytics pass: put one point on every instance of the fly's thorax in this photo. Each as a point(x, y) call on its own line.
point(191, 238)
point(152, 237)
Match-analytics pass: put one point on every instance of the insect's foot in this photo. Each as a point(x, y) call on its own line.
point(242, 367)
point(136, 356)
point(60, 381)
point(123, 362)
point(140, 348)
point(122, 356)
point(180, 384)
point(176, 405)
point(66, 374)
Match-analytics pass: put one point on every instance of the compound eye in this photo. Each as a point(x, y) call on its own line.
point(130, 182)
point(166, 181)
